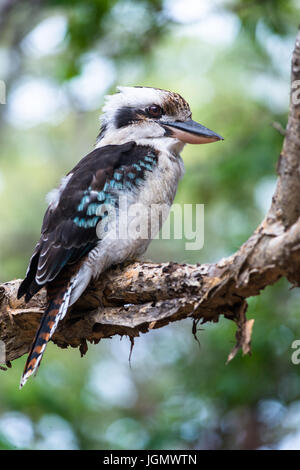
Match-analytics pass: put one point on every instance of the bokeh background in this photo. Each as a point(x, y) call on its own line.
point(231, 61)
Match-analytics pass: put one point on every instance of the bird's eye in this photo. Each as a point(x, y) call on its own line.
point(154, 111)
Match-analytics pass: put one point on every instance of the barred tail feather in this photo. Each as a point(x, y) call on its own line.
point(55, 312)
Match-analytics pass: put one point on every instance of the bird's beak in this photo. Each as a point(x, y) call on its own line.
point(191, 132)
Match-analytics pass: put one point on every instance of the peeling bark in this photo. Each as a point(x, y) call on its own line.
point(133, 299)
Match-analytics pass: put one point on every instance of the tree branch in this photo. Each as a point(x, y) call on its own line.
point(135, 298)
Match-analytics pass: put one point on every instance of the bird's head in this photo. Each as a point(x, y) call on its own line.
point(151, 116)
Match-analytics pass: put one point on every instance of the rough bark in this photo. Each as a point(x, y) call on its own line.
point(135, 298)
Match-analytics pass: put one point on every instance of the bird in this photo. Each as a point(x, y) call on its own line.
point(137, 159)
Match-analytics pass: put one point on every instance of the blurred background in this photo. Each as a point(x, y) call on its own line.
point(231, 60)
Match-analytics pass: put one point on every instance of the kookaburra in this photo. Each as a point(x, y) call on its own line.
point(137, 156)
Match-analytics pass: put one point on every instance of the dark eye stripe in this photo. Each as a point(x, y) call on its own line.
point(125, 116)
